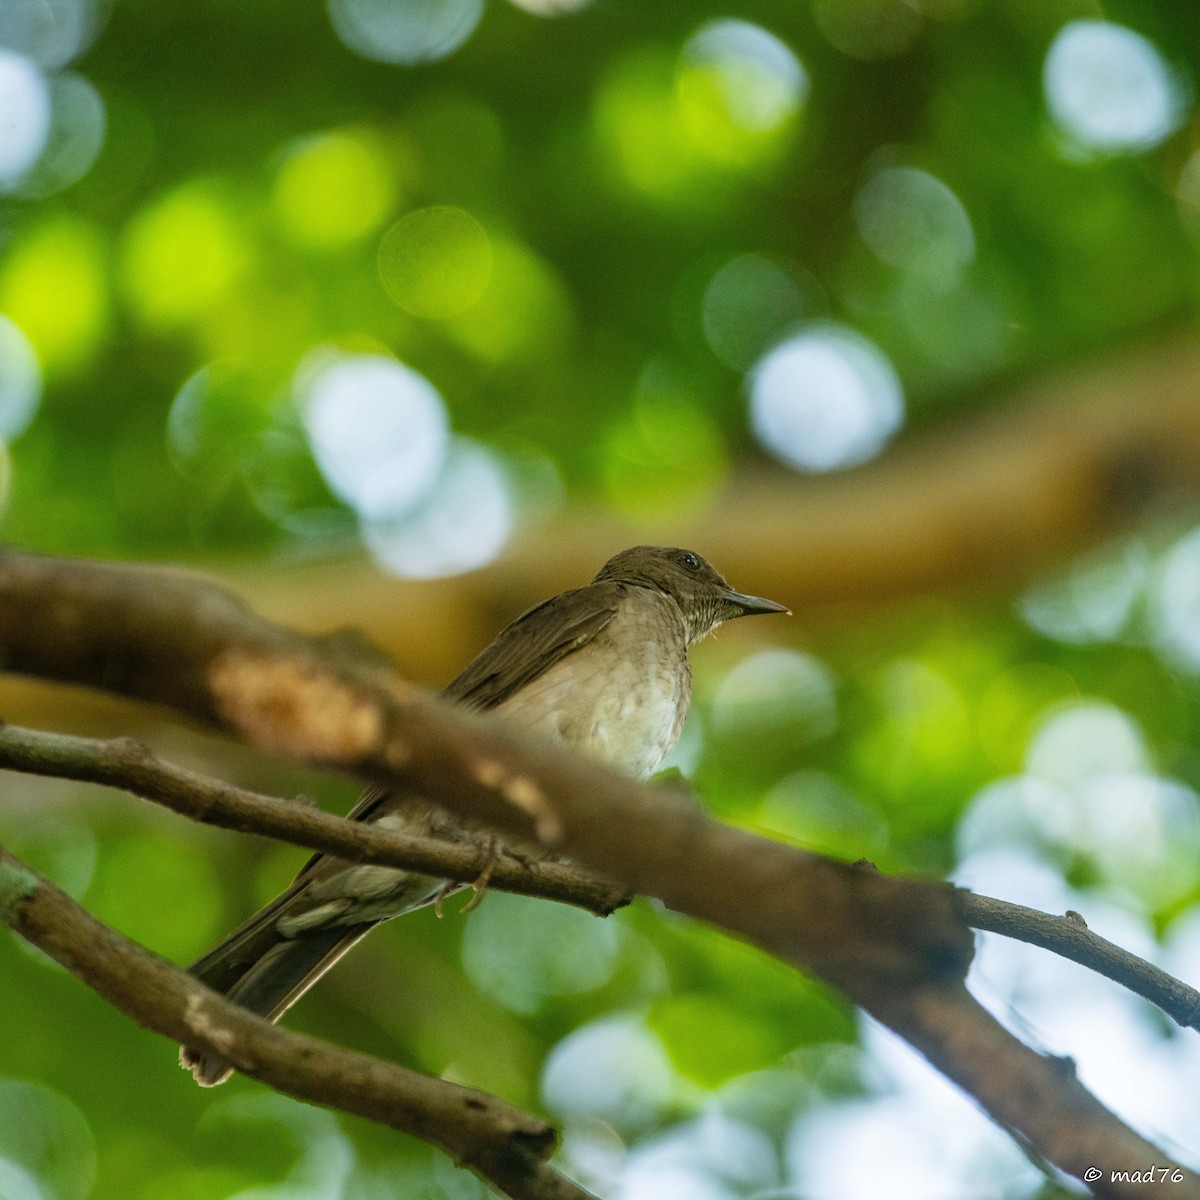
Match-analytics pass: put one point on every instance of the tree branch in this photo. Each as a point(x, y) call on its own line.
point(898, 948)
point(127, 764)
point(1070, 937)
point(502, 1145)
point(1036, 1097)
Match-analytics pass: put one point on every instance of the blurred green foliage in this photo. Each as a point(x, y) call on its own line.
point(584, 233)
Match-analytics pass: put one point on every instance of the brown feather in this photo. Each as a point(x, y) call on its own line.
point(534, 642)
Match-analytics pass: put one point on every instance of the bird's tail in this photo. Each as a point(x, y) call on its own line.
point(259, 969)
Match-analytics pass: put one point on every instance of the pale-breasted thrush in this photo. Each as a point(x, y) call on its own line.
point(603, 668)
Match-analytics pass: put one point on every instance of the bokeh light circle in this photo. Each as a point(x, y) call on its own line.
point(78, 121)
point(913, 221)
point(759, 78)
point(1095, 600)
point(404, 32)
point(20, 381)
point(747, 304)
point(44, 1133)
point(1085, 740)
point(776, 688)
point(378, 430)
point(460, 525)
point(51, 32)
point(25, 110)
point(330, 190)
point(184, 253)
point(613, 1069)
point(519, 952)
point(825, 398)
point(1109, 88)
point(56, 288)
point(738, 89)
point(436, 262)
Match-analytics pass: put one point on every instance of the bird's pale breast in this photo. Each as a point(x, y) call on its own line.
point(620, 699)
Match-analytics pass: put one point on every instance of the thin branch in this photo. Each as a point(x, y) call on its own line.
point(127, 764)
point(501, 1144)
point(1070, 937)
point(898, 948)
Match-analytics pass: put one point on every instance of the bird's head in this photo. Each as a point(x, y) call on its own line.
point(702, 593)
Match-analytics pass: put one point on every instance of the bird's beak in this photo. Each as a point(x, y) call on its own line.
point(750, 606)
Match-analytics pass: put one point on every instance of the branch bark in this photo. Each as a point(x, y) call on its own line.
point(1069, 937)
point(899, 949)
point(500, 1144)
point(172, 637)
point(128, 764)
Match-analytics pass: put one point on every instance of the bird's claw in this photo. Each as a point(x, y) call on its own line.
point(491, 855)
point(491, 850)
point(448, 888)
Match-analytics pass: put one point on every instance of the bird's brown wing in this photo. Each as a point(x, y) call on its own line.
point(533, 643)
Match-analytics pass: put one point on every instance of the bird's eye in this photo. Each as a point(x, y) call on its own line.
point(690, 560)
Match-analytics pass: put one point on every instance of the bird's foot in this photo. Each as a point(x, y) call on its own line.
point(490, 850)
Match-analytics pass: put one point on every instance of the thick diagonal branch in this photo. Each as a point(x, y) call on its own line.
point(502, 1145)
point(174, 638)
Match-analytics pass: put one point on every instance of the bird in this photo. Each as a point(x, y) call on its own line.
point(602, 669)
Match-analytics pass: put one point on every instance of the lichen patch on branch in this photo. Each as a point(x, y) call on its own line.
point(297, 708)
point(521, 792)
